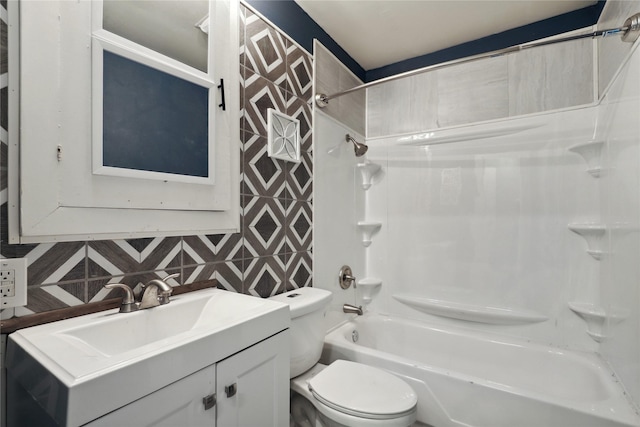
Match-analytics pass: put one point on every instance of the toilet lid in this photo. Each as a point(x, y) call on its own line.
point(363, 391)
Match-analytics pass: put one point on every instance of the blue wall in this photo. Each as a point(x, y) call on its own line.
point(294, 21)
point(290, 17)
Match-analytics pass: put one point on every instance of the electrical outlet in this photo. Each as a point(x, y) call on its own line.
point(13, 282)
point(8, 289)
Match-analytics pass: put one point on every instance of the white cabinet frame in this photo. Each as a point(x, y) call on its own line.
point(53, 97)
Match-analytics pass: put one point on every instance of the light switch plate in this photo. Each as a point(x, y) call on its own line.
point(13, 282)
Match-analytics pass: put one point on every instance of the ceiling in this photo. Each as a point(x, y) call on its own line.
point(381, 32)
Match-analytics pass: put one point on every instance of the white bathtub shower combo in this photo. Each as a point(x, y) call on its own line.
point(501, 252)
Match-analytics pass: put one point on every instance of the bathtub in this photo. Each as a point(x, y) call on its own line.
point(470, 379)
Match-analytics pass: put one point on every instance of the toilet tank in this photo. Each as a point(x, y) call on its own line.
point(307, 307)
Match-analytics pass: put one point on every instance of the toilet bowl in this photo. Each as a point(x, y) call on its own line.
point(343, 393)
point(352, 394)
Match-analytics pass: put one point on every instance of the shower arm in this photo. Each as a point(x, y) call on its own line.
point(629, 32)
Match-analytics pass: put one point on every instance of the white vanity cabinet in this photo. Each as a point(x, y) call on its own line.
point(250, 388)
point(209, 358)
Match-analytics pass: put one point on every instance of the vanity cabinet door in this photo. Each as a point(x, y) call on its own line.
point(253, 385)
point(178, 404)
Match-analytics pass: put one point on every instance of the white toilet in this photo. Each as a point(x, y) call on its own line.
point(343, 393)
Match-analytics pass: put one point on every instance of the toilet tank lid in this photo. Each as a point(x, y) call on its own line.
point(304, 300)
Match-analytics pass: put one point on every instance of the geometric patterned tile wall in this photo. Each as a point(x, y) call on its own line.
point(272, 252)
point(276, 195)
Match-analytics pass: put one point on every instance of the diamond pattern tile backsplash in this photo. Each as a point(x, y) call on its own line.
point(273, 251)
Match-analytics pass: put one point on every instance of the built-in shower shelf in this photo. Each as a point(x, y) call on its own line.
point(591, 152)
point(368, 170)
point(593, 233)
point(368, 229)
point(470, 312)
point(466, 133)
point(623, 228)
point(595, 254)
point(596, 318)
point(369, 288)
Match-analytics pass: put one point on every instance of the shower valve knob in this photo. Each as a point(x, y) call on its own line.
point(345, 277)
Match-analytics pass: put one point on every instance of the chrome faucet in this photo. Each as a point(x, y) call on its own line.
point(352, 309)
point(150, 295)
point(154, 293)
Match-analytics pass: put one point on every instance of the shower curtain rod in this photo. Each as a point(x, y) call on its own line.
point(629, 31)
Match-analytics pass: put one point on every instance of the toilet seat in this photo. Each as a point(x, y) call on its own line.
point(363, 391)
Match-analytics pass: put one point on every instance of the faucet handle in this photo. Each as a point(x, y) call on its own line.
point(346, 277)
point(171, 276)
point(128, 301)
point(164, 296)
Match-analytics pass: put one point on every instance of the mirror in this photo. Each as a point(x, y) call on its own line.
point(170, 27)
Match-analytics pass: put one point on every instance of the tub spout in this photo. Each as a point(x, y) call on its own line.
point(348, 308)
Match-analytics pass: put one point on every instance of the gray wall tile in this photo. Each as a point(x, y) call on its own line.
point(473, 92)
point(551, 77)
point(404, 105)
point(333, 77)
point(529, 81)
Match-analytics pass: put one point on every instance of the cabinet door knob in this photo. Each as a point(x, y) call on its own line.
point(231, 390)
point(209, 401)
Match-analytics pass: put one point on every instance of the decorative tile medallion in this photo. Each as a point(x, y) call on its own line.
point(283, 140)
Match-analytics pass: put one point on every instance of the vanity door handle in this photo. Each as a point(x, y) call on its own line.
point(209, 401)
point(231, 390)
point(223, 104)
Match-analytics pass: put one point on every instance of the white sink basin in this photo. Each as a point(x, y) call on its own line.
point(115, 334)
point(187, 315)
point(105, 360)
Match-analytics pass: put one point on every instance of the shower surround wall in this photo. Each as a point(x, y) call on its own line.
point(337, 197)
point(620, 213)
point(530, 81)
point(485, 228)
point(484, 222)
point(272, 251)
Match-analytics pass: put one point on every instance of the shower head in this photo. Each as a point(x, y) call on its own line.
point(358, 147)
